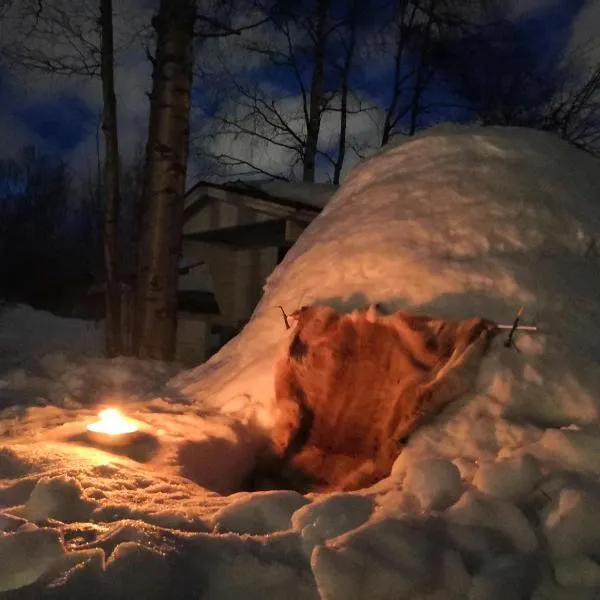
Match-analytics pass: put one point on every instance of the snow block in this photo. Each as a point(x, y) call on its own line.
point(26, 555)
point(59, 498)
point(260, 513)
point(391, 558)
point(509, 478)
point(228, 567)
point(514, 576)
point(571, 523)
point(577, 571)
point(11, 464)
point(481, 528)
point(77, 574)
point(9, 523)
point(134, 571)
point(435, 482)
point(571, 449)
point(330, 517)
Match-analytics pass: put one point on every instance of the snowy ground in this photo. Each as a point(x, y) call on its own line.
point(497, 498)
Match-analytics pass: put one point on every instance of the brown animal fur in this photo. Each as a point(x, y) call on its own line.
point(351, 388)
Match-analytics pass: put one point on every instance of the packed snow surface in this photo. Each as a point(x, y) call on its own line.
point(497, 497)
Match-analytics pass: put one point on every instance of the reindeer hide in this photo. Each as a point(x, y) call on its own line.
point(351, 388)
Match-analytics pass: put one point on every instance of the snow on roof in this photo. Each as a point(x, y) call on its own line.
point(497, 497)
point(313, 194)
point(295, 195)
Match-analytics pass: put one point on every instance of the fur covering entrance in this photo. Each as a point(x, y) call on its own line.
point(351, 388)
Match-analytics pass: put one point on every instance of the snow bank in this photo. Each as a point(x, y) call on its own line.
point(27, 335)
point(496, 498)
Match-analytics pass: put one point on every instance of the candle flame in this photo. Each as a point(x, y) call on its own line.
point(112, 422)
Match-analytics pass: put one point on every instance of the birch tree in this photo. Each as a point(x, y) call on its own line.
point(76, 39)
point(164, 181)
point(82, 44)
point(177, 23)
point(114, 335)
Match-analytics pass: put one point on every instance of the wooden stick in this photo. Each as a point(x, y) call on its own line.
point(519, 327)
point(285, 317)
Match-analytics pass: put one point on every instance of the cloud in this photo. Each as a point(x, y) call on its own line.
point(585, 39)
point(132, 83)
point(33, 92)
point(520, 8)
point(251, 144)
point(250, 139)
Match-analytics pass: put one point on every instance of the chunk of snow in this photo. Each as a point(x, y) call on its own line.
point(466, 467)
point(509, 478)
point(570, 449)
point(10, 523)
point(59, 498)
point(512, 576)
point(577, 571)
point(228, 567)
point(259, 513)
point(396, 503)
point(75, 575)
point(11, 465)
point(436, 483)
point(571, 523)
point(27, 555)
point(390, 558)
point(135, 571)
point(330, 517)
point(482, 527)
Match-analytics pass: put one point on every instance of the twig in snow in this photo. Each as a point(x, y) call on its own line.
point(519, 327)
point(509, 343)
point(285, 317)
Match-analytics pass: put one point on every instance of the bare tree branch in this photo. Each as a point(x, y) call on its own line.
point(233, 161)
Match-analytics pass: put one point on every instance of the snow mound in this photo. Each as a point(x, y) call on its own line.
point(456, 222)
point(27, 334)
point(497, 497)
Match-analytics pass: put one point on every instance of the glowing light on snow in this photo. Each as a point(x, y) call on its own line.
point(112, 422)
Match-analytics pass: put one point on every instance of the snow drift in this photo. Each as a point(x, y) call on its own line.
point(496, 498)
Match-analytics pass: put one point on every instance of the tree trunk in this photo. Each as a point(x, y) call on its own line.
point(391, 114)
point(315, 108)
point(112, 196)
point(348, 60)
point(164, 182)
point(422, 74)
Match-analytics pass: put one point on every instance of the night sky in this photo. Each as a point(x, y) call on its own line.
point(61, 115)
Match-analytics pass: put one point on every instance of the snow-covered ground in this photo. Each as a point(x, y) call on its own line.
point(497, 498)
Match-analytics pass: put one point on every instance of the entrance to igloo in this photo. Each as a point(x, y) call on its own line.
point(350, 389)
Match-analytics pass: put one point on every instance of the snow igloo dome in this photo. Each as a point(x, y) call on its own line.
point(456, 222)
point(496, 497)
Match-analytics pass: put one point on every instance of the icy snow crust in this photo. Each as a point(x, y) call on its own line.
point(496, 498)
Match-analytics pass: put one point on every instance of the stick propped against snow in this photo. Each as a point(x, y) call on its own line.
point(519, 327)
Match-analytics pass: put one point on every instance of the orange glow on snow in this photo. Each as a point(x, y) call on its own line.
point(112, 422)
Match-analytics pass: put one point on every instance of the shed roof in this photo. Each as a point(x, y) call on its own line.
point(297, 201)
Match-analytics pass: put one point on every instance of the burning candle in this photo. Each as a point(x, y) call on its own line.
point(112, 428)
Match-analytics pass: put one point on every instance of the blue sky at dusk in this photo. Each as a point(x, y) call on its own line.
point(61, 123)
